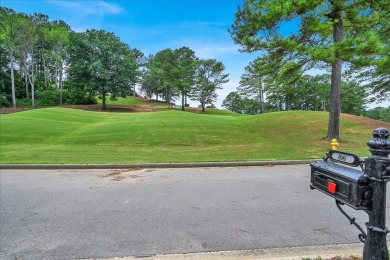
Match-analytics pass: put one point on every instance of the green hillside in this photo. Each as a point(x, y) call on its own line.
point(68, 136)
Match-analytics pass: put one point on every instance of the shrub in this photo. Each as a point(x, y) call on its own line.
point(49, 97)
point(23, 102)
point(4, 100)
point(75, 97)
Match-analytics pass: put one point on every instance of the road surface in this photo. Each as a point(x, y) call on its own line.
point(67, 214)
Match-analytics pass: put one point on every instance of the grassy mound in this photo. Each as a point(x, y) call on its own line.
point(67, 136)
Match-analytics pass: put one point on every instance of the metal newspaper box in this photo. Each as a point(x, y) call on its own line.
point(345, 184)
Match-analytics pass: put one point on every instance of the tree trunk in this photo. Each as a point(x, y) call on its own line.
point(56, 78)
point(32, 81)
point(104, 105)
point(182, 101)
point(279, 102)
point(13, 82)
point(334, 109)
point(31, 78)
point(45, 73)
point(32, 95)
point(26, 80)
point(166, 95)
point(60, 85)
point(261, 99)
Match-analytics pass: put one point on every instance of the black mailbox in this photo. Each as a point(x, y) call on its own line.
point(345, 184)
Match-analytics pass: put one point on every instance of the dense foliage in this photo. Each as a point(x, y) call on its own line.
point(172, 73)
point(305, 93)
point(101, 64)
point(379, 113)
point(47, 61)
point(242, 105)
point(328, 33)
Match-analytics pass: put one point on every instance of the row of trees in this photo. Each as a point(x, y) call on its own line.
point(302, 92)
point(172, 73)
point(48, 59)
point(32, 50)
point(379, 113)
point(40, 58)
point(332, 34)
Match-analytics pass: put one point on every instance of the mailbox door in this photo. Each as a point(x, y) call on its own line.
point(345, 184)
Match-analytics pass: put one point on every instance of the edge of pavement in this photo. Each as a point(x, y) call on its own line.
point(297, 253)
point(154, 165)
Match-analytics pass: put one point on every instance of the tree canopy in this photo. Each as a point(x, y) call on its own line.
point(209, 78)
point(329, 33)
point(102, 64)
point(173, 73)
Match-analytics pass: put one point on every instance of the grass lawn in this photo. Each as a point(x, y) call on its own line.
point(70, 136)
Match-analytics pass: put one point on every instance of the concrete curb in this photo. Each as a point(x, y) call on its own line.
point(152, 165)
point(297, 253)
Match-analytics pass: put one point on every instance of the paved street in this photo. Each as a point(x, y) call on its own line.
point(66, 214)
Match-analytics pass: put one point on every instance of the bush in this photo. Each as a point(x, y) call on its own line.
point(74, 97)
point(4, 100)
point(24, 102)
point(48, 97)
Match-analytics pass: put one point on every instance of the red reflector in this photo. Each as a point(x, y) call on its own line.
point(332, 187)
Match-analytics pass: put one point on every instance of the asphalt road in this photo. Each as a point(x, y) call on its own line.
point(67, 214)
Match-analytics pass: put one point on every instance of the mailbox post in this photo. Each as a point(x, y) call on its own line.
point(361, 189)
point(377, 169)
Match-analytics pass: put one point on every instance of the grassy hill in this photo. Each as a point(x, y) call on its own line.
point(63, 135)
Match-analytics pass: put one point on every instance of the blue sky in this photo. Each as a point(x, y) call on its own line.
point(153, 25)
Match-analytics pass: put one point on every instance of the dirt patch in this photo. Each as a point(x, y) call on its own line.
point(8, 110)
point(112, 173)
point(118, 175)
point(370, 123)
point(146, 106)
point(346, 258)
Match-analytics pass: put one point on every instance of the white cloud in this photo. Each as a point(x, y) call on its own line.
point(109, 8)
point(90, 7)
point(213, 51)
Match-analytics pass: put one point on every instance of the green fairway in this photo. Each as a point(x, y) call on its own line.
point(69, 136)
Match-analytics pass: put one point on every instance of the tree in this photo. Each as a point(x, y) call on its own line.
point(100, 63)
point(252, 83)
point(57, 37)
point(353, 98)
point(184, 72)
point(149, 81)
point(329, 33)
point(209, 77)
point(9, 23)
point(379, 113)
point(314, 92)
point(242, 105)
point(140, 61)
point(162, 69)
point(374, 74)
point(233, 102)
point(27, 47)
